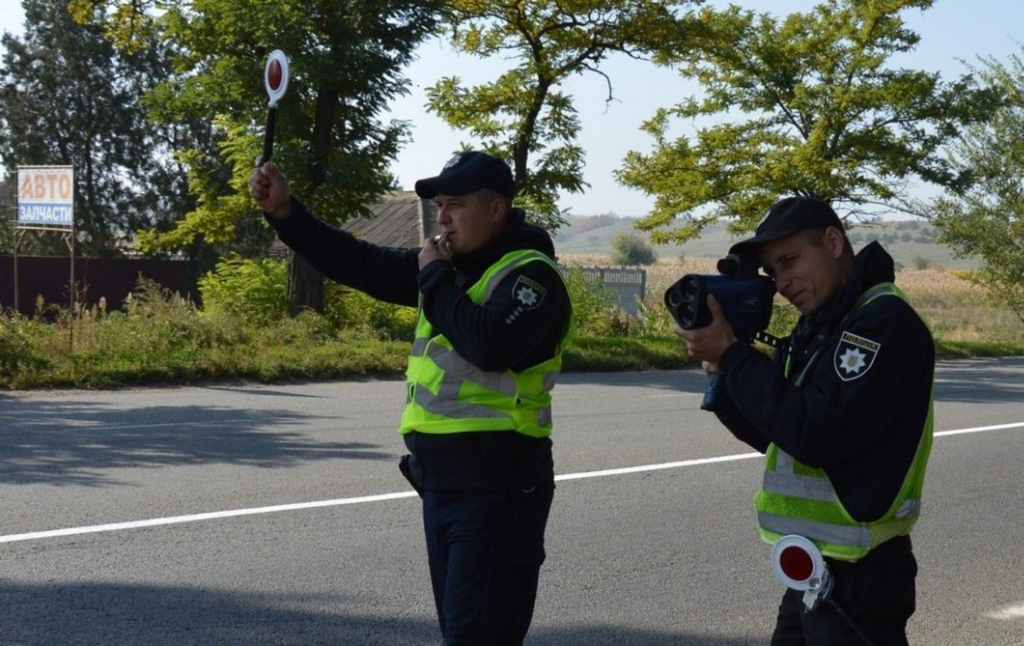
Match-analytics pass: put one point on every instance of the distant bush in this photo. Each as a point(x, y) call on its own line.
point(252, 289)
point(630, 249)
point(347, 308)
point(255, 290)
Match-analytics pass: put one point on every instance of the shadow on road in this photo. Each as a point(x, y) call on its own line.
point(689, 380)
point(980, 381)
point(75, 443)
point(616, 636)
point(102, 613)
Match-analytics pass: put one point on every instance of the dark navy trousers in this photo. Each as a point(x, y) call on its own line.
point(485, 551)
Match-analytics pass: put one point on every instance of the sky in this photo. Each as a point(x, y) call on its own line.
point(952, 32)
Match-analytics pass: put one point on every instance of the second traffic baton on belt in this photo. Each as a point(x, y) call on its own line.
point(799, 564)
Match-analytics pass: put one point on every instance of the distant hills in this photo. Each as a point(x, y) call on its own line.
point(911, 242)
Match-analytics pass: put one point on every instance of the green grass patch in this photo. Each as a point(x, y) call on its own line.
point(162, 339)
point(946, 349)
point(599, 354)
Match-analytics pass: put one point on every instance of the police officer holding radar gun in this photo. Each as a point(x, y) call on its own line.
point(843, 412)
point(494, 317)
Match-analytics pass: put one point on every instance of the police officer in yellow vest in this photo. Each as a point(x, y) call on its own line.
point(844, 414)
point(494, 317)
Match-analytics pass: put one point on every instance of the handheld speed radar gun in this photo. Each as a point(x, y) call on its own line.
point(745, 298)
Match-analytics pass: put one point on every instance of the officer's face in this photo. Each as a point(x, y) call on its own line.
point(806, 267)
point(468, 222)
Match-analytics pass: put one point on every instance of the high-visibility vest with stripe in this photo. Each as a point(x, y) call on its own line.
point(798, 499)
point(447, 394)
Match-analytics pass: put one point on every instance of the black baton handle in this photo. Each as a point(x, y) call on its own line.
point(268, 136)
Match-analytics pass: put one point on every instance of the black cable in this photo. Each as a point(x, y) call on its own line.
point(853, 624)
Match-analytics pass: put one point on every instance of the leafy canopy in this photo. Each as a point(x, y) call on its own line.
point(987, 220)
point(71, 98)
point(522, 115)
point(807, 105)
point(345, 61)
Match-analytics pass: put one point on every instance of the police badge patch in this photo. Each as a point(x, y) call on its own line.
point(529, 294)
point(854, 356)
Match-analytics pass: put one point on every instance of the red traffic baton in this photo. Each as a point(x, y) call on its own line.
point(275, 78)
point(798, 563)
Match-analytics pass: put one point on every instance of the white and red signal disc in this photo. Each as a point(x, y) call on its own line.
point(275, 76)
point(798, 562)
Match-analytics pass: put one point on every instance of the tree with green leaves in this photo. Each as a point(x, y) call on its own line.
point(987, 220)
point(7, 201)
point(807, 105)
point(523, 116)
point(70, 98)
point(345, 61)
point(631, 249)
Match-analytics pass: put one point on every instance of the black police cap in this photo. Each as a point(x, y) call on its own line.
point(469, 172)
point(787, 217)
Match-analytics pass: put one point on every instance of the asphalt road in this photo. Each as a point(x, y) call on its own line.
point(241, 514)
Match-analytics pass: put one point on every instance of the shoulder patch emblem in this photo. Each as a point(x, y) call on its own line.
point(854, 356)
point(529, 294)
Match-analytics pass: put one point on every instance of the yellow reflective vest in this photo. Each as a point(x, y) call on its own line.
point(798, 499)
point(447, 394)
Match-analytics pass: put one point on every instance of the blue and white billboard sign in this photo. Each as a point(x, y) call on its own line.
point(46, 196)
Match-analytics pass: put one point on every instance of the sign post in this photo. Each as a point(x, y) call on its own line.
point(275, 78)
point(46, 202)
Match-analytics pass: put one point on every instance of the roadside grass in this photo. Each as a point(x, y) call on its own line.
point(161, 338)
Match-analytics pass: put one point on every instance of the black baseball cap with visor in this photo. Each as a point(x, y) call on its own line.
point(469, 172)
point(787, 217)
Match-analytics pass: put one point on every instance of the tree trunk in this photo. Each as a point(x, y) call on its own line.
point(305, 286)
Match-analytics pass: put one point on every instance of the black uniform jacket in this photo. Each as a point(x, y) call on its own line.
point(861, 408)
point(504, 333)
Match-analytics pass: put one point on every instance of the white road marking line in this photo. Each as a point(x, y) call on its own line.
point(1009, 613)
point(173, 520)
point(980, 429)
point(679, 394)
point(213, 515)
point(655, 467)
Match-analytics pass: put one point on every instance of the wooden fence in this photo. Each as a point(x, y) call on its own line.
point(110, 278)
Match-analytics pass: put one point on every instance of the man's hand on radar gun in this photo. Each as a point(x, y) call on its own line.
point(709, 343)
point(270, 189)
point(435, 248)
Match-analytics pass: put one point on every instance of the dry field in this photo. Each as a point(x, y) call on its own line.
point(955, 308)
